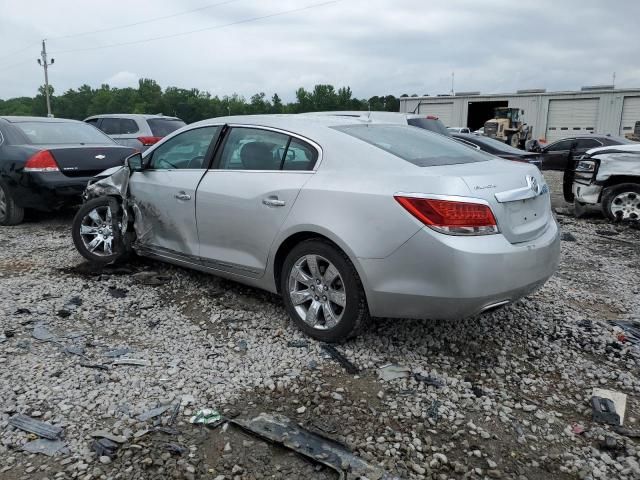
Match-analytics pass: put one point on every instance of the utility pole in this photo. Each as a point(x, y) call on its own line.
point(614, 79)
point(453, 76)
point(44, 63)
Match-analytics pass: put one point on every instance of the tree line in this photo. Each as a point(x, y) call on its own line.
point(190, 105)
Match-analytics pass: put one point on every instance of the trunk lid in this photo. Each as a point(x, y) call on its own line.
point(518, 196)
point(87, 161)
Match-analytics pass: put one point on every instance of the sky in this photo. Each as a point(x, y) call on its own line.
point(377, 47)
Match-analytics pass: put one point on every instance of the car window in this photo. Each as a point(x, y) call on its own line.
point(187, 150)
point(431, 124)
point(587, 143)
point(415, 145)
point(110, 126)
point(62, 133)
point(128, 126)
point(253, 149)
point(93, 121)
point(161, 127)
point(300, 156)
point(561, 145)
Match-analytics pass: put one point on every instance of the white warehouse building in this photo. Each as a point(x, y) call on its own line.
point(553, 115)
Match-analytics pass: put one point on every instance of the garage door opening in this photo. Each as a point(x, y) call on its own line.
point(480, 112)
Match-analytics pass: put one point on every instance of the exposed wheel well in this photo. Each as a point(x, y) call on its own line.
point(288, 245)
point(617, 180)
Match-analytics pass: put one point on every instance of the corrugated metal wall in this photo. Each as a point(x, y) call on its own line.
point(536, 107)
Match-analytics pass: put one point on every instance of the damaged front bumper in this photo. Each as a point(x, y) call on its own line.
point(589, 194)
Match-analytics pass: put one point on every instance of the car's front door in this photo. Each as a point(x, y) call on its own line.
point(555, 156)
point(243, 201)
point(164, 193)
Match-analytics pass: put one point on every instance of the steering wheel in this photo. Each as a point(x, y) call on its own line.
point(199, 159)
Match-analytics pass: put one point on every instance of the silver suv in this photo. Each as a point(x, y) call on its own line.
point(135, 130)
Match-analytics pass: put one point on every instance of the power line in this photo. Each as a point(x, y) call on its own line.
point(214, 27)
point(142, 22)
point(12, 65)
point(19, 51)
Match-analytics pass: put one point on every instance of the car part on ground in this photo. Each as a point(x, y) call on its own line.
point(45, 163)
point(297, 226)
point(609, 177)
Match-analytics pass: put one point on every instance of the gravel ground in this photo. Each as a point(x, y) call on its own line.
point(517, 382)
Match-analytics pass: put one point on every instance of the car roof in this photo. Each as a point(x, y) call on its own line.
point(18, 119)
point(284, 121)
point(630, 148)
point(377, 116)
point(144, 116)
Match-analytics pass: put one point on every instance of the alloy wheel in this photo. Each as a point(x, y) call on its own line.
point(626, 206)
point(96, 231)
point(317, 292)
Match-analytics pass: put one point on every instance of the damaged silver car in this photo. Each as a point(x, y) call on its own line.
point(609, 177)
point(345, 218)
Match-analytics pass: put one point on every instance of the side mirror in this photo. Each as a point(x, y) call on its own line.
point(134, 162)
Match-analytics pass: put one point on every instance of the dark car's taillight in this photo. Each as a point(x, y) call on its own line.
point(148, 141)
point(451, 217)
point(42, 161)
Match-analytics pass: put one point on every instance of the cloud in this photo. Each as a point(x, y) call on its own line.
point(374, 46)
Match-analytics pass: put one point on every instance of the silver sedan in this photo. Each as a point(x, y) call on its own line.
point(346, 219)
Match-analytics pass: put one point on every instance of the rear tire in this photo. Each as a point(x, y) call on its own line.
point(93, 231)
point(322, 292)
point(10, 213)
point(622, 202)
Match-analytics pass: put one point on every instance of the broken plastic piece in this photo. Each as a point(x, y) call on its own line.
point(94, 365)
point(608, 406)
point(392, 371)
point(340, 358)
point(282, 430)
point(46, 447)
point(154, 412)
point(108, 435)
point(151, 278)
point(132, 361)
point(206, 416)
point(631, 331)
point(105, 447)
point(74, 350)
point(117, 352)
point(31, 425)
point(429, 380)
point(42, 333)
point(298, 343)
point(175, 449)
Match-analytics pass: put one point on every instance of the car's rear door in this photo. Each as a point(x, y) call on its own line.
point(243, 201)
point(164, 193)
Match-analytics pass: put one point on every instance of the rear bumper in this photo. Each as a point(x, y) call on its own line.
point(438, 276)
point(48, 190)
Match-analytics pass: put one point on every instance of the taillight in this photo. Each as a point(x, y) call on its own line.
point(450, 216)
point(148, 141)
point(432, 117)
point(42, 161)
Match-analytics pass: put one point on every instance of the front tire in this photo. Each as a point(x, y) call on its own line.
point(322, 292)
point(10, 213)
point(622, 202)
point(93, 231)
point(514, 140)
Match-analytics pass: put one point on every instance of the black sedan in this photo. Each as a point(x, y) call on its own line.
point(45, 163)
point(556, 155)
point(497, 148)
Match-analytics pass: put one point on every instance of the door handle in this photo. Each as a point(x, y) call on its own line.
point(183, 196)
point(273, 202)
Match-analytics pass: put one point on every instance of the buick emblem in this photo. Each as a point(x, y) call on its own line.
point(100, 157)
point(533, 184)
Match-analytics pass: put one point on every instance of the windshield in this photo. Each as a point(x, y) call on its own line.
point(416, 146)
point(161, 127)
point(496, 144)
point(62, 133)
point(431, 124)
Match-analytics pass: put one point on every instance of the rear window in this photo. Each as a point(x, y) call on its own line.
point(431, 124)
point(62, 133)
point(161, 127)
point(416, 146)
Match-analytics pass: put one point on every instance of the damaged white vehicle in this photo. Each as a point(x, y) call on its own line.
point(345, 218)
point(609, 177)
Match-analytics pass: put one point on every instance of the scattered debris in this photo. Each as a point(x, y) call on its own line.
point(116, 292)
point(242, 345)
point(609, 443)
point(175, 449)
point(151, 278)
point(568, 237)
point(94, 365)
point(42, 333)
point(74, 350)
point(105, 447)
point(9, 333)
point(298, 343)
point(63, 313)
point(22, 311)
point(434, 410)
point(132, 361)
point(607, 233)
point(117, 352)
point(577, 429)
point(206, 416)
point(46, 447)
point(31, 425)
point(392, 371)
point(631, 331)
point(284, 431)
point(174, 414)
point(608, 406)
point(430, 380)
point(340, 358)
point(154, 412)
point(108, 435)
